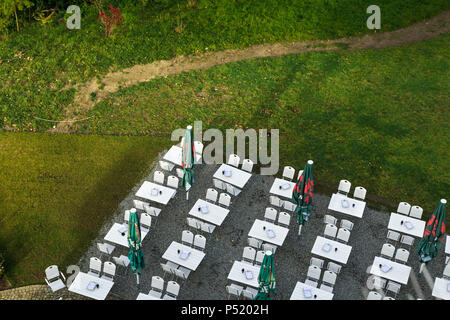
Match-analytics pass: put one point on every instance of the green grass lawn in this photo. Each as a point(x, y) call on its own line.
point(376, 117)
point(37, 63)
point(58, 190)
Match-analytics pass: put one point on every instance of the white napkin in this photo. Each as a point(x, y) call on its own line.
point(270, 233)
point(91, 286)
point(408, 225)
point(344, 203)
point(122, 229)
point(204, 209)
point(326, 247)
point(285, 186)
point(385, 267)
point(227, 173)
point(155, 192)
point(307, 293)
point(184, 254)
point(249, 275)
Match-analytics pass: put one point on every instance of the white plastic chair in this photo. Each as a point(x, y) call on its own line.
point(378, 283)
point(105, 248)
point(146, 222)
point(387, 251)
point(193, 223)
point(180, 173)
point(393, 235)
point(182, 273)
point(343, 235)
point(446, 272)
point(316, 262)
point(329, 277)
point(346, 224)
point(138, 204)
point(406, 240)
point(199, 242)
point(233, 160)
point(173, 182)
point(158, 177)
point(157, 287)
point(224, 199)
point(211, 195)
point(287, 205)
point(259, 257)
point(344, 187)
point(326, 287)
point(207, 227)
point(334, 267)
point(249, 293)
point(109, 271)
point(255, 243)
point(167, 270)
point(198, 147)
point(359, 193)
point(313, 273)
point(311, 283)
point(234, 290)
point(275, 201)
point(288, 173)
point(404, 208)
point(329, 219)
point(249, 254)
point(373, 295)
point(165, 165)
point(393, 287)
point(232, 189)
point(284, 219)
point(122, 261)
point(402, 255)
point(172, 290)
point(126, 216)
point(153, 211)
point(247, 165)
point(52, 278)
point(330, 231)
point(219, 184)
point(416, 212)
point(187, 238)
point(269, 247)
point(390, 298)
point(270, 215)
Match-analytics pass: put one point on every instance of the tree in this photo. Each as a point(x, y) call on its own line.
point(8, 8)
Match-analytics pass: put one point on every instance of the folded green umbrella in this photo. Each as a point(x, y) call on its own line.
point(266, 278)
point(188, 161)
point(135, 255)
point(303, 193)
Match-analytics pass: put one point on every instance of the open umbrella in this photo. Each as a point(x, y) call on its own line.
point(135, 255)
point(266, 278)
point(188, 160)
point(303, 193)
point(433, 235)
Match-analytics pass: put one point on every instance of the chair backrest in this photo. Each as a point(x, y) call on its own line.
point(404, 207)
point(164, 165)
point(157, 283)
point(119, 261)
point(316, 262)
point(180, 172)
point(402, 255)
point(138, 204)
point(388, 250)
point(329, 277)
point(179, 273)
point(311, 283)
point(249, 254)
point(211, 194)
point(173, 288)
point(206, 227)
point(275, 201)
point(299, 174)
point(393, 287)
point(393, 235)
point(199, 241)
point(247, 165)
point(198, 147)
point(314, 272)
point(233, 160)
point(325, 287)
point(232, 291)
point(230, 189)
point(270, 214)
point(408, 240)
point(126, 216)
point(255, 243)
point(247, 294)
point(284, 219)
point(193, 223)
point(288, 172)
point(173, 182)
point(330, 219)
point(378, 282)
point(343, 234)
point(260, 257)
point(289, 206)
point(373, 295)
point(102, 247)
point(166, 268)
point(109, 268)
point(52, 272)
point(158, 177)
point(334, 267)
point(269, 247)
point(146, 220)
point(152, 210)
point(347, 224)
point(95, 264)
point(359, 193)
point(219, 184)
point(446, 272)
point(416, 212)
point(344, 186)
point(330, 230)
point(224, 199)
point(187, 237)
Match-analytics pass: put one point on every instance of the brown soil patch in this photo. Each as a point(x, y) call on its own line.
point(141, 73)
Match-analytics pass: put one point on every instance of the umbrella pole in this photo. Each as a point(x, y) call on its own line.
point(421, 268)
point(137, 279)
point(187, 195)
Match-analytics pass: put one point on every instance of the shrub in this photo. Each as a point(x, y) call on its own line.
point(112, 20)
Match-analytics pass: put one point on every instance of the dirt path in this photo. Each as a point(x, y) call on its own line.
point(141, 73)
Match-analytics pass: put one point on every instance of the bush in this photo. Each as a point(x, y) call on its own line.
point(2, 266)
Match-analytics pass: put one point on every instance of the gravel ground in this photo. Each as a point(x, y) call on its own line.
point(227, 242)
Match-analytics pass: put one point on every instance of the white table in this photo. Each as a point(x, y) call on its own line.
point(298, 294)
point(215, 214)
point(237, 275)
point(257, 231)
point(447, 245)
point(395, 224)
point(175, 156)
point(116, 237)
point(285, 193)
point(399, 272)
point(341, 255)
point(238, 177)
point(79, 285)
point(336, 205)
point(143, 296)
point(191, 262)
point(440, 289)
point(145, 191)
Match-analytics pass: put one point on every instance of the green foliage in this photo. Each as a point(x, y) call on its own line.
point(9, 10)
